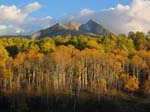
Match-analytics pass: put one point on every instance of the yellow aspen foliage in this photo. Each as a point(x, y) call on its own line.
point(103, 87)
point(19, 59)
point(132, 84)
point(147, 86)
point(113, 92)
point(3, 56)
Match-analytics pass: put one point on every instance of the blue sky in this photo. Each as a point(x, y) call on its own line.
point(24, 17)
point(57, 8)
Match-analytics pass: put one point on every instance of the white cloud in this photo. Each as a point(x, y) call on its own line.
point(32, 25)
point(32, 7)
point(85, 12)
point(11, 14)
point(29, 26)
point(3, 27)
point(122, 7)
point(15, 21)
point(10, 30)
point(79, 17)
point(120, 19)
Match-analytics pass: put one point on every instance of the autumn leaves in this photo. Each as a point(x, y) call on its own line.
point(100, 66)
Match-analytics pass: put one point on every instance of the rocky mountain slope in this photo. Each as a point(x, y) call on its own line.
point(90, 28)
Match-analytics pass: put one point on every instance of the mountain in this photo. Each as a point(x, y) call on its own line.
point(90, 28)
point(72, 26)
point(57, 29)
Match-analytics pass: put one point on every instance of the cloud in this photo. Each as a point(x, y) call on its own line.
point(15, 21)
point(122, 7)
point(29, 26)
point(77, 16)
point(85, 12)
point(32, 7)
point(10, 30)
point(11, 14)
point(32, 25)
point(119, 19)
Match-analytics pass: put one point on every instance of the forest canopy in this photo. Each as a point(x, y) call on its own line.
point(102, 65)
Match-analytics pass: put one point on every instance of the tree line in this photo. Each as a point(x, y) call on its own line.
point(102, 65)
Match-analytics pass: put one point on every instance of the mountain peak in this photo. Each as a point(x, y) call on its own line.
point(89, 28)
point(92, 21)
point(58, 25)
point(93, 27)
point(72, 25)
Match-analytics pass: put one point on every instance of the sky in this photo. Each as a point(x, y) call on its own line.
point(23, 17)
point(57, 8)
